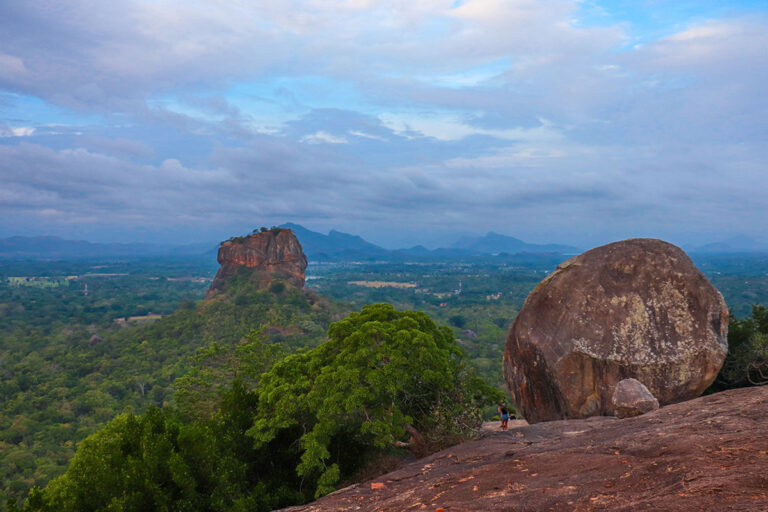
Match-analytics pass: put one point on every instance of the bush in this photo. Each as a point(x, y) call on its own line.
point(747, 361)
point(383, 376)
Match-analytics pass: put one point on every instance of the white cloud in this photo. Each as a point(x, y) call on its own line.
point(364, 135)
point(448, 127)
point(321, 137)
point(18, 131)
point(489, 109)
point(137, 48)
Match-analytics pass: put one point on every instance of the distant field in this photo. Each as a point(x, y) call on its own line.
point(191, 279)
point(36, 282)
point(382, 284)
point(138, 319)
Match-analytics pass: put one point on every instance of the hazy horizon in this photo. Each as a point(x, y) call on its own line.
point(445, 242)
point(575, 122)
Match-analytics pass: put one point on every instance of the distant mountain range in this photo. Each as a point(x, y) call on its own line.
point(335, 246)
point(338, 246)
point(52, 247)
point(732, 245)
point(55, 247)
point(494, 243)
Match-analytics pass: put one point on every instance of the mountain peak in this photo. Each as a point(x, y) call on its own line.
point(335, 245)
point(495, 243)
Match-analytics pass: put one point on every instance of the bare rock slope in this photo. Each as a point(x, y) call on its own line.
point(707, 454)
point(632, 309)
point(261, 256)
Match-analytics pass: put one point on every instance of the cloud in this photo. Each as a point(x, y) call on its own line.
point(322, 137)
point(120, 147)
point(358, 133)
point(368, 114)
point(89, 56)
point(11, 68)
point(17, 131)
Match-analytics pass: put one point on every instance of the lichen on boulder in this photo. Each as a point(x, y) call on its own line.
point(638, 308)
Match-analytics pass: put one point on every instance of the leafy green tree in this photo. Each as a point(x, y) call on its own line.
point(458, 321)
point(382, 376)
point(134, 463)
point(747, 361)
point(215, 368)
point(156, 462)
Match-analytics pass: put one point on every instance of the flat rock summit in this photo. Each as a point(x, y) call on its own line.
point(637, 309)
point(261, 258)
point(707, 454)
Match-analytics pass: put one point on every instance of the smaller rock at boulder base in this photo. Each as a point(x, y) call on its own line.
point(632, 398)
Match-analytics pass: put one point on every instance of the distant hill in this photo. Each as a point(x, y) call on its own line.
point(335, 246)
point(338, 246)
point(495, 243)
point(733, 244)
point(51, 247)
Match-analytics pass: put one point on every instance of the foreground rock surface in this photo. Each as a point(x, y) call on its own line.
point(637, 308)
point(706, 454)
point(631, 398)
point(263, 256)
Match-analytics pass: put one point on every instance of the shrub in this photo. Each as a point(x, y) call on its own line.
point(383, 376)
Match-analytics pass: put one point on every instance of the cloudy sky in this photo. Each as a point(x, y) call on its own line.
point(571, 121)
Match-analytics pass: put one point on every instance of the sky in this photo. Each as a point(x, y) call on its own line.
point(406, 122)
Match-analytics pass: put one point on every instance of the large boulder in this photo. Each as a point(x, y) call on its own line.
point(262, 258)
point(637, 308)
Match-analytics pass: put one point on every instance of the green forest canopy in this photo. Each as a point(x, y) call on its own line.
point(385, 379)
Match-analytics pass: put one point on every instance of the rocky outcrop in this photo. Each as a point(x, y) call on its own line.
point(261, 258)
point(637, 308)
point(704, 454)
point(631, 398)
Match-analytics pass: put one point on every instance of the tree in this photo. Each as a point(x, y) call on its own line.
point(382, 376)
point(144, 462)
point(747, 361)
point(157, 462)
point(277, 287)
point(458, 321)
point(214, 369)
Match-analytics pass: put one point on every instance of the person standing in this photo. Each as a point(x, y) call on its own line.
point(504, 413)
